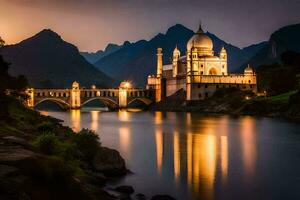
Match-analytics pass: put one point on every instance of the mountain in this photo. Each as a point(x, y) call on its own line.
point(48, 61)
point(253, 49)
point(92, 57)
point(134, 61)
point(282, 40)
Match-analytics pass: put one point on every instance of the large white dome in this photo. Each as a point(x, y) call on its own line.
point(200, 40)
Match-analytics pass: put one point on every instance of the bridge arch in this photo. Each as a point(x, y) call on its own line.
point(110, 103)
point(62, 104)
point(146, 101)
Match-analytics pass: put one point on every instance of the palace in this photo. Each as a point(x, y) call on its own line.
point(200, 72)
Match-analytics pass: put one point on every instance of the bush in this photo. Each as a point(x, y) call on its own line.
point(45, 127)
point(68, 151)
point(87, 143)
point(47, 143)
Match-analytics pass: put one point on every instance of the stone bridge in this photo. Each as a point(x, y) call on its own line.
point(77, 97)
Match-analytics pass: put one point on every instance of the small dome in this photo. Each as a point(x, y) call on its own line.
point(200, 40)
point(248, 70)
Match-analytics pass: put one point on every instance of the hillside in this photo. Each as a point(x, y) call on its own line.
point(284, 39)
point(48, 61)
point(135, 61)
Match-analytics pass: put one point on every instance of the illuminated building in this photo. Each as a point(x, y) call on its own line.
point(200, 72)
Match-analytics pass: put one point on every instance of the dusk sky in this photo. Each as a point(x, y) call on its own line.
point(92, 24)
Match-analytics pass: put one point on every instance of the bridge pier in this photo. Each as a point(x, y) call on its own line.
point(75, 101)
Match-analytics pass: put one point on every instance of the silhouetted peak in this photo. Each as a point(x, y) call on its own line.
point(177, 28)
point(47, 34)
point(111, 47)
point(126, 43)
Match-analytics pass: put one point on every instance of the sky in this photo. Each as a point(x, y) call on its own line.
point(92, 24)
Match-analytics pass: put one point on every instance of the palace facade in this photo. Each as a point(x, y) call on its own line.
point(200, 72)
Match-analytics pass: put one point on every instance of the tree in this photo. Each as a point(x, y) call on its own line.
point(16, 84)
point(2, 42)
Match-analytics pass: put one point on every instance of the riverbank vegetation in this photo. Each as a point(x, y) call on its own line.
point(41, 159)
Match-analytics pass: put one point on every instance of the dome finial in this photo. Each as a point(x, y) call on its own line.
point(200, 30)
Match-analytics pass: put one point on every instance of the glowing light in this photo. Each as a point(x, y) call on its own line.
point(224, 157)
point(123, 115)
point(159, 149)
point(126, 85)
point(75, 120)
point(176, 149)
point(124, 140)
point(94, 123)
point(248, 141)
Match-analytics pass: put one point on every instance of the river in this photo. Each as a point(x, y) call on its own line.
point(191, 156)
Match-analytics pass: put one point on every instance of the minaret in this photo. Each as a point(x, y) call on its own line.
point(223, 53)
point(159, 62)
point(176, 56)
point(223, 58)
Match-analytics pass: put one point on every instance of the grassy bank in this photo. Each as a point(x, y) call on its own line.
point(41, 159)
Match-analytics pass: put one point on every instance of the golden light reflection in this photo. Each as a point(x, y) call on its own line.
point(124, 140)
point(159, 141)
point(75, 120)
point(248, 142)
point(46, 113)
point(176, 153)
point(224, 158)
point(124, 115)
point(94, 123)
point(201, 161)
point(158, 117)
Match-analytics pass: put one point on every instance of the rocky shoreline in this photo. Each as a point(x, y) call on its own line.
point(42, 159)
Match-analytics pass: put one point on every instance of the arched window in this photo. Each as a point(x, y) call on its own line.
point(213, 71)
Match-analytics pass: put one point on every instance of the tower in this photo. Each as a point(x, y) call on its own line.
point(30, 100)
point(159, 62)
point(75, 96)
point(223, 58)
point(176, 56)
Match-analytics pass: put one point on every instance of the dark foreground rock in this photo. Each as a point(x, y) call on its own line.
point(140, 196)
point(126, 189)
point(109, 162)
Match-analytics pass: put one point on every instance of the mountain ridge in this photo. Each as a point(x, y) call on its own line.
point(138, 59)
point(284, 39)
point(49, 61)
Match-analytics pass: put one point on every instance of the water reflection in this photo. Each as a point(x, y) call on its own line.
point(159, 141)
point(124, 140)
point(224, 158)
point(94, 122)
point(248, 142)
point(176, 152)
point(124, 115)
point(75, 120)
point(183, 154)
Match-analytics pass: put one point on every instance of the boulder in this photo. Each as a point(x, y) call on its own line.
point(16, 141)
point(125, 189)
point(15, 154)
point(140, 196)
point(162, 197)
point(109, 162)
